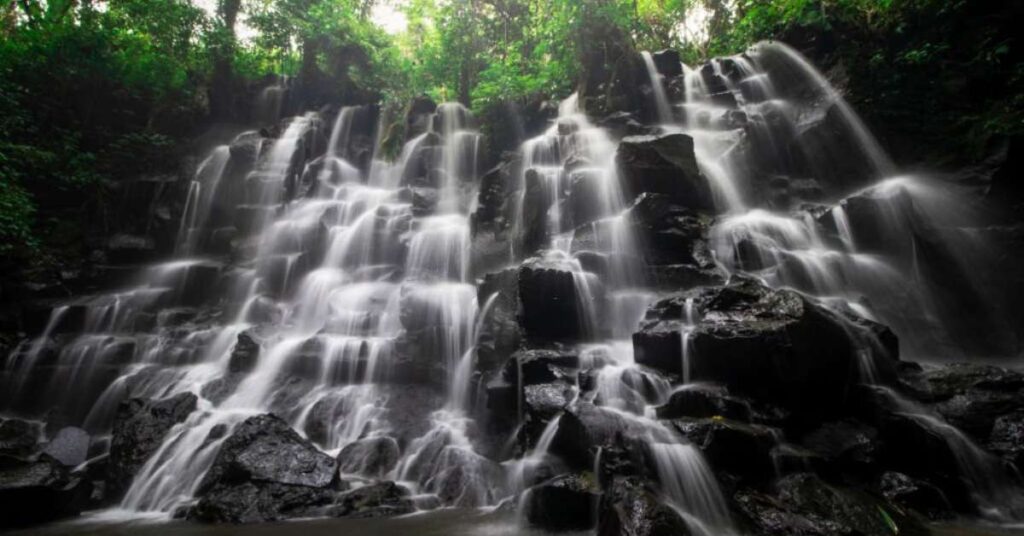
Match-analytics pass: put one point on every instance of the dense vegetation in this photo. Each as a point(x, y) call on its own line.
point(95, 92)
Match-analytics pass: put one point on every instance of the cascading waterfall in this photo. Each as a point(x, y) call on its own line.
point(354, 280)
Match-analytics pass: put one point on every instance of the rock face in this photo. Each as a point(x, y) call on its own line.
point(384, 499)
point(139, 428)
point(553, 299)
point(265, 471)
point(567, 502)
point(629, 507)
point(373, 457)
point(663, 164)
point(773, 345)
point(38, 490)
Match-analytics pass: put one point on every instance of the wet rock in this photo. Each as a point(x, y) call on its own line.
point(663, 164)
point(704, 400)
point(264, 448)
point(19, 438)
point(769, 516)
point(246, 352)
point(500, 333)
point(850, 446)
point(567, 502)
point(775, 346)
point(69, 446)
point(923, 447)
point(669, 233)
point(741, 449)
point(1007, 438)
point(915, 494)
point(139, 429)
point(126, 248)
point(38, 490)
point(259, 502)
point(374, 457)
point(584, 427)
point(677, 277)
point(971, 396)
point(629, 508)
point(384, 499)
point(417, 118)
point(668, 62)
point(857, 511)
point(621, 124)
point(537, 201)
point(551, 298)
point(424, 201)
point(544, 401)
point(540, 365)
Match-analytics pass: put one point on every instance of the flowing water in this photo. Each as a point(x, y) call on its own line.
point(354, 277)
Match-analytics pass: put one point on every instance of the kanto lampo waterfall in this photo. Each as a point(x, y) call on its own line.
point(681, 300)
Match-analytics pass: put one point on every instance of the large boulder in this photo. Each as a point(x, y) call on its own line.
point(265, 471)
point(139, 429)
point(558, 299)
point(743, 450)
point(372, 456)
point(670, 233)
point(630, 508)
point(566, 502)
point(664, 164)
point(19, 438)
point(970, 396)
point(776, 346)
point(702, 401)
point(264, 448)
point(252, 502)
point(38, 490)
point(384, 499)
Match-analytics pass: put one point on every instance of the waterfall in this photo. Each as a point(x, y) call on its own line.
point(657, 89)
point(313, 280)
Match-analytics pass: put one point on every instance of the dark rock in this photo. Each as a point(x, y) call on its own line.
point(259, 502)
point(741, 449)
point(584, 427)
point(139, 429)
point(125, 248)
point(704, 400)
point(775, 346)
point(859, 512)
point(664, 164)
point(373, 457)
point(1007, 438)
point(567, 502)
point(264, 448)
point(915, 494)
point(971, 396)
point(70, 446)
point(500, 332)
point(668, 62)
point(769, 516)
point(245, 353)
point(629, 508)
point(38, 490)
point(537, 366)
point(677, 277)
point(669, 233)
point(19, 438)
point(384, 499)
point(551, 299)
point(851, 446)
